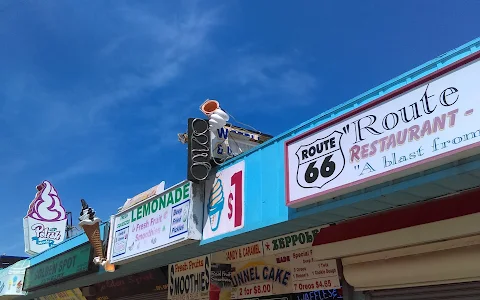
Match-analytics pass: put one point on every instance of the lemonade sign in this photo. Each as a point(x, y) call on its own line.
point(155, 224)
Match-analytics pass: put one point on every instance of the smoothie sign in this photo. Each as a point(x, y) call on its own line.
point(153, 224)
point(190, 279)
point(404, 132)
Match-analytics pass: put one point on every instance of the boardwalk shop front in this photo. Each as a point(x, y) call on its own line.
point(392, 174)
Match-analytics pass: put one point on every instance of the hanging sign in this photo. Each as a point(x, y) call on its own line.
point(46, 221)
point(157, 223)
point(74, 263)
point(412, 129)
point(224, 208)
point(190, 279)
point(199, 154)
point(240, 253)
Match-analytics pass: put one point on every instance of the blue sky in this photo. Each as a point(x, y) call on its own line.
point(93, 93)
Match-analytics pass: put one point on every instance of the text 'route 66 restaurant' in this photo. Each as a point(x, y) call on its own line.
point(393, 178)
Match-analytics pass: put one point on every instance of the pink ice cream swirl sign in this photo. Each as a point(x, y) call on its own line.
point(46, 220)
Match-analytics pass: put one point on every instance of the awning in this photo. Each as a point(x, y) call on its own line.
point(429, 243)
point(11, 279)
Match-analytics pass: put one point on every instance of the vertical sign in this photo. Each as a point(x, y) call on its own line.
point(199, 154)
point(46, 220)
point(224, 208)
point(189, 279)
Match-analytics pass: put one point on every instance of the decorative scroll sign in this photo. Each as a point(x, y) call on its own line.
point(199, 154)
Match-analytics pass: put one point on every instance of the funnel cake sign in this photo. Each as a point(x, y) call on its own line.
point(46, 220)
point(427, 123)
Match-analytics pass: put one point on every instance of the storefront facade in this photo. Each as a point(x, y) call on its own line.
point(285, 204)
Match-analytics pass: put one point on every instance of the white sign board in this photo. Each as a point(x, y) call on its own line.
point(190, 279)
point(277, 266)
point(224, 205)
point(156, 223)
point(46, 221)
point(413, 129)
point(230, 141)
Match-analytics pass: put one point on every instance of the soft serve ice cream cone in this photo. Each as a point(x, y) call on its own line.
point(215, 204)
point(91, 225)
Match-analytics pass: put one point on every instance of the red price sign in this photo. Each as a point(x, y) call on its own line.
point(257, 290)
point(321, 284)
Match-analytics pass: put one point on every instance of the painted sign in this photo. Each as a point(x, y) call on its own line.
point(46, 221)
point(283, 273)
point(260, 277)
point(11, 285)
point(12, 278)
point(425, 124)
point(155, 224)
point(190, 279)
point(74, 294)
point(240, 253)
point(284, 265)
point(292, 241)
point(67, 265)
point(224, 208)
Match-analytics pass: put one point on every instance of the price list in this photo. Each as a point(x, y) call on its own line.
point(310, 275)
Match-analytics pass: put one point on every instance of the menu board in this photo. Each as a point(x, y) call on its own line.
point(308, 275)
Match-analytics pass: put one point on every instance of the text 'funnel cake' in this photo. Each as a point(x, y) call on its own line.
point(215, 204)
point(91, 225)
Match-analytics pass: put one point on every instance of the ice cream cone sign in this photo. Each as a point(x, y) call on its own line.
point(90, 223)
point(217, 118)
point(46, 220)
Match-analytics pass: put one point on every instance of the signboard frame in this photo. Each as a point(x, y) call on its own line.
point(411, 167)
point(192, 232)
point(92, 268)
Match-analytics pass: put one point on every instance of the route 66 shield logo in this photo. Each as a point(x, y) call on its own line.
point(320, 162)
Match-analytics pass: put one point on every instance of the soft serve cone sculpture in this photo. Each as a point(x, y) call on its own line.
point(215, 203)
point(217, 118)
point(91, 225)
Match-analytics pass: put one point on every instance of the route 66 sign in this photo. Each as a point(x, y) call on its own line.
point(320, 161)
